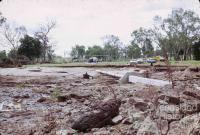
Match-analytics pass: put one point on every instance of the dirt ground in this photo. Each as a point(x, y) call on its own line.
point(32, 103)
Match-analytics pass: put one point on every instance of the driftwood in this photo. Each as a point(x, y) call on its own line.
point(100, 117)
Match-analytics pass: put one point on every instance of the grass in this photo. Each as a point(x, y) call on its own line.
point(187, 63)
point(116, 63)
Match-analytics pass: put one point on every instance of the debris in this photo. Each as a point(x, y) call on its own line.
point(61, 98)
point(98, 118)
point(148, 81)
point(42, 99)
point(117, 119)
point(170, 99)
point(148, 127)
point(87, 76)
point(192, 94)
point(142, 106)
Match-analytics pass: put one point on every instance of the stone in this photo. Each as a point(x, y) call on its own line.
point(170, 99)
point(192, 94)
point(148, 127)
point(142, 106)
point(117, 119)
point(99, 117)
point(67, 131)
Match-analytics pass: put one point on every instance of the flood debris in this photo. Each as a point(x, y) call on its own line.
point(87, 76)
point(98, 118)
point(79, 104)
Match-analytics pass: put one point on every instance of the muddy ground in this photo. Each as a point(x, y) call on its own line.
point(32, 103)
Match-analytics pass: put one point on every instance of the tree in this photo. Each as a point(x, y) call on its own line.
point(30, 47)
point(143, 38)
point(134, 51)
point(147, 48)
point(177, 33)
point(3, 55)
point(43, 35)
point(13, 34)
point(96, 51)
point(196, 51)
point(78, 51)
point(112, 45)
point(2, 19)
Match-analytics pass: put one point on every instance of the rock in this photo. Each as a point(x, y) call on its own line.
point(190, 107)
point(61, 98)
point(189, 125)
point(127, 121)
point(98, 118)
point(136, 119)
point(102, 133)
point(142, 106)
point(175, 129)
point(168, 112)
point(192, 94)
point(42, 99)
point(170, 99)
point(163, 126)
point(68, 131)
point(148, 127)
point(117, 119)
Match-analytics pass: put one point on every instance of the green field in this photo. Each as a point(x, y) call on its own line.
point(117, 64)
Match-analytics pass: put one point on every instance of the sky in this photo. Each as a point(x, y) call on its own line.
point(85, 22)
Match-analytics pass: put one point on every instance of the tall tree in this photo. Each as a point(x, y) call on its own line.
point(180, 30)
point(30, 47)
point(112, 45)
point(96, 51)
point(143, 37)
point(134, 51)
point(43, 35)
point(196, 51)
point(13, 34)
point(78, 51)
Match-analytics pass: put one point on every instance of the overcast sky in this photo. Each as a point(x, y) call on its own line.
point(84, 22)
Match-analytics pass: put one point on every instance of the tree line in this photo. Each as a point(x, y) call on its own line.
point(175, 37)
point(32, 48)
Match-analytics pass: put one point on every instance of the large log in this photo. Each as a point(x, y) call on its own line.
point(99, 117)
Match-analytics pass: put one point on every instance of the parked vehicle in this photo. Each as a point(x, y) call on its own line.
point(151, 60)
point(136, 61)
point(93, 60)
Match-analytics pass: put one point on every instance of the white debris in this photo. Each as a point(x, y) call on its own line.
point(148, 81)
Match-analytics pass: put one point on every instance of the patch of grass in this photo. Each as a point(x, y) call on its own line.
point(187, 63)
point(55, 93)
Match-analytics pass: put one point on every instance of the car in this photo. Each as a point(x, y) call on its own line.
point(151, 60)
point(136, 61)
point(93, 60)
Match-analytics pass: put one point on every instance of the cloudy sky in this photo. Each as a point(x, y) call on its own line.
point(85, 22)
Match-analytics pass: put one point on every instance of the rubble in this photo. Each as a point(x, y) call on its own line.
point(30, 105)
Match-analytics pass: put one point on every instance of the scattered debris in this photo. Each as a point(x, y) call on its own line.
point(98, 118)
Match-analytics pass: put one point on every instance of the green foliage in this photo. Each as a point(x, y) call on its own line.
point(3, 55)
point(134, 51)
point(112, 46)
point(78, 51)
point(196, 51)
point(56, 93)
point(96, 51)
point(143, 37)
point(30, 47)
point(176, 33)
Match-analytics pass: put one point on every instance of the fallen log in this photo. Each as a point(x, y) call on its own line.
point(99, 117)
